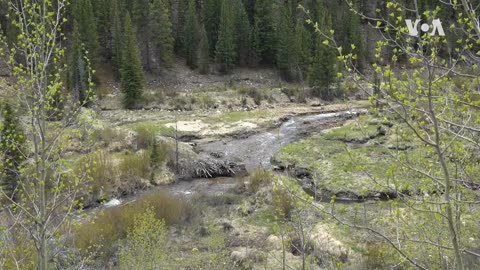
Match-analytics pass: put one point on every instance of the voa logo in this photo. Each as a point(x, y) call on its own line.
point(436, 27)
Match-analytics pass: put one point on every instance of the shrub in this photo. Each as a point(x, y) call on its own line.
point(295, 94)
point(180, 103)
point(300, 96)
point(133, 170)
point(99, 172)
point(290, 93)
point(103, 173)
point(282, 202)
point(145, 247)
point(145, 136)
point(258, 178)
point(166, 207)
point(160, 153)
point(108, 134)
point(376, 255)
point(113, 224)
point(154, 96)
point(17, 249)
point(135, 165)
point(206, 102)
point(254, 93)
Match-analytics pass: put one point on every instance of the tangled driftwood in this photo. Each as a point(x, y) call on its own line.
point(208, 168)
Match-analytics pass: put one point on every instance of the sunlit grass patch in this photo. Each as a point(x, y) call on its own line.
point(358, 130)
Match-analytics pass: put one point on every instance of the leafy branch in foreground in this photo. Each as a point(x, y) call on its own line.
point(47, 190)
point(436, 96)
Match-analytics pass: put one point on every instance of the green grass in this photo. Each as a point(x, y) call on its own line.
point(309, 150)
point(357, 168)
point(360, 130)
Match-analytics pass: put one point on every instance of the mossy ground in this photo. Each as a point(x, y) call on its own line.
point(357, 158)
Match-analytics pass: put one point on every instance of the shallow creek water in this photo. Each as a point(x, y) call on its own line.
point(253, 151)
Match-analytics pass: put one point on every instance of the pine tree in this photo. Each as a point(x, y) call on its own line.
point(79, 79)
point(116, 39)
point(243, 34)
point(303, 44)
point(140, 19)
point(132, 74)
point(203, 52)
point(355, 37)
point(264, 31)
point(87, 27)
point(191, 35)
point(212, 11)
point(225, 54)
point(102, 13)
point(287, 54)
point(323, 72)
point(12, 151)
point(179, 26)
point(250, 9)
point(161, 26)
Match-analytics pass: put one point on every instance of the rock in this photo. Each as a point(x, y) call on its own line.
point(381, 130)
point(217, 154)
point(302, 173)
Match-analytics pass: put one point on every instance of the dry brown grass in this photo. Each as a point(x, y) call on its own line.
point(112, 224)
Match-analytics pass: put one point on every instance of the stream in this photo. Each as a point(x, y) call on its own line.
point(254, 151)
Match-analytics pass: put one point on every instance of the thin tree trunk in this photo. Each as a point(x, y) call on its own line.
point(446, 174)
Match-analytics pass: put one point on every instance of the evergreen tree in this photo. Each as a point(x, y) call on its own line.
point(303, 44)
point(12, 149)
point(161, 26)
point(116, 39)
point(323, 72)
point(225, 54)
point(212, 11)
point(287, 54)
point(243, 34)
point(79, 79)
point(264, 31)
point(132, 74)
point(87, 27)
point(141, 21)
point(191, 35)
point(250, 9)
point(355, 37)
point(140, 13)
point(203, 52)
point(179, 26)
point(102, 13)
